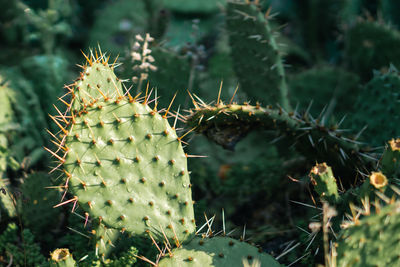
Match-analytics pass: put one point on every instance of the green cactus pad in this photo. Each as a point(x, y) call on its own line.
point(217, 252)
point(373, 240)
point(127, 166)
point(37, 203)
point(123, 161)
point(371, 46)
point(379, 102)
point(257, 62)
point(228, 124)
point(331, 88)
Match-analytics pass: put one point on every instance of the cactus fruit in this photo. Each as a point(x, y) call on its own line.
point(379, 100)
point(254, 50)
point(372, 240)
point(216, 251)
point(371, 46)
point(324, 182)
point(61, 258)
point(123, 161)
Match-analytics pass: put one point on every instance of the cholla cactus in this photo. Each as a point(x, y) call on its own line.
point(142, 59)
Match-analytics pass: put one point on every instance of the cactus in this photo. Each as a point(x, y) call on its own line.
point(324, 182)
point(123, 157)
point(254, 50)
point(227, 124)
point(332, 88)
point(371, 46)
point(378, 100)
point(61, 258)
point(372, 240)
point(216, 251)
point(36, 204)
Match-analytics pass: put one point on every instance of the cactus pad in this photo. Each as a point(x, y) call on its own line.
point(254, 51)
point(123, 161)
point(379, 102)
point(217, 251)
point(373, 240)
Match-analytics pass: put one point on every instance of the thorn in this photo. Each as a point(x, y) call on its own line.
point(55, 155)
point(234, 93)
point(105, 97)
point(193, 101)
point(176, 117)
point(75, 198)
point(176, 237)
point(155, 243)
point(180, 138)
point(116, 88)
point(195, 156)
point(112, 66)
point(170, 104)
point(64, 102)
point(87, 59)
point(61, 115)
point(59, 146)
point(52, 135)
point(219, 92)
point(145, 96)
point(59, 125)
point(268, 12)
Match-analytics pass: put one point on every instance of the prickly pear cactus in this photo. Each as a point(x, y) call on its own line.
point(373, 240)
point(229, 123)
point(332, 88)
point(36, 203)
point(379, 102)
point(254, 51)
point(371, 46)
point(216, 251)
point(124, 162)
